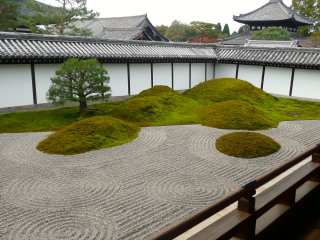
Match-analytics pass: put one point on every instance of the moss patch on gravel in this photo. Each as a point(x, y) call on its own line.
point(246, 145)
point(89, 134)
point(225, 89)
point(235, 114)
point(159, 105)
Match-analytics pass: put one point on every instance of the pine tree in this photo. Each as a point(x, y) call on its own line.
point(58, 20)
point(79, 81)
point(226, 29)
point(8, 15)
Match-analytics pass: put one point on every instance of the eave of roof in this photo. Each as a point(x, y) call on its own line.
point(273, 11)
point(34, 46)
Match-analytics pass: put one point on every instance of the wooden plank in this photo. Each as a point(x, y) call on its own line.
point(270, 217)
point(305, 189)
point(226, 227)
point(271, 196)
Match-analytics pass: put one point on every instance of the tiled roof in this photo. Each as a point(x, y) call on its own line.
point(268, 43)
point(97, 25)
point(35, 46)
point(24, 11)
point(120, 33)
point(274, 10)
point(241, 38)
point(265, 55)
point(17, 46)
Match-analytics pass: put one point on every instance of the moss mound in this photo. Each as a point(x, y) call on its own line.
point(246, 145)
point(225, 89)
point(155, 91)
point(89, 134)
point(149, 109)
point(235, 115)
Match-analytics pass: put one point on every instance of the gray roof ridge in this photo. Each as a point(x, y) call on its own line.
point(123, 29)
point(64, 38)
point(236, 36)
point(242, 15)
point(298, 49)
point(136, 16)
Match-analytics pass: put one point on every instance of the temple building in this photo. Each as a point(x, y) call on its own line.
point(123, 28)
point(273, 14)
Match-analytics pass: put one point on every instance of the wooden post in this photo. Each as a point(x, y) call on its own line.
point(247, 204)
point(316, 159)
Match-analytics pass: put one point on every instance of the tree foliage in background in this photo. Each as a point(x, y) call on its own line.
point(58, 20)
point(313, 41)
point(309, 9)
point(226, 29)
point(218, 28)
point(162, 29)
point(8, 15)
point(204, 28)
point(244, 28)
point(272, 33)
point(177, 31)
point(79, 81)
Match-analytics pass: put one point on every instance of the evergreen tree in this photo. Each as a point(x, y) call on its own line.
point(58, 20)
point(79, 81)
point(243, 29)
point(218, 28)
point(226, 29)
point(309, 9)
point(162, 29)
point(8, 15)
point(272, 33)
point(203, 27)
point(177, 31)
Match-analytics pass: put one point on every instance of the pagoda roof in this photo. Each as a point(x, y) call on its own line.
point(122, 28)
point(274, 10)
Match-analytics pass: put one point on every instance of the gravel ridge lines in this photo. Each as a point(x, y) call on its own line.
point(129, 191)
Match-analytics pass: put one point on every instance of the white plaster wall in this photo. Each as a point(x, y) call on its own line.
point(162, 74)
point(251, 74)
point(198, 71)
point(15, 85)
point(224, 70)
point(210, 71)
point(306, 83)
point(140, 77)
point(277, 80)
point(43, 74)
point(118, 74)
point(181, 76)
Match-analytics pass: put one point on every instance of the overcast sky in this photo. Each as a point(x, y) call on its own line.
point(165, 11)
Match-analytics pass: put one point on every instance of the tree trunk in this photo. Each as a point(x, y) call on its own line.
point(83, 106)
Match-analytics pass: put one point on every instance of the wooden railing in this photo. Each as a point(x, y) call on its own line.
point(256, 217)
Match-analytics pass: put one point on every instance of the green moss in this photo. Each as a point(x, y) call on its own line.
point(155, 91)
point(89, 134)
point(225, 89)
point(235, 115)
point(152, 109)
point(246, 145)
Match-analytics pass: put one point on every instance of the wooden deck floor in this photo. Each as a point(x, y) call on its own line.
point(305, 226)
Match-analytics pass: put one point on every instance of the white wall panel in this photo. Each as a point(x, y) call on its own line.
point(181, 76)
point(224, 70)
point(43, 74)
point(306, 83)
point(251, 74)
point(162, 74)
point(118, 74)
point(140, 77)
point(210, 71)
point(198, 71)
point(15, 85)
point(277, 80)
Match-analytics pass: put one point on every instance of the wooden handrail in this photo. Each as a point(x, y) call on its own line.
point(199, 216)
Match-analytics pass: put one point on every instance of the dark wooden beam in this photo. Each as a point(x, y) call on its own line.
point(205, 75)
point(172, 76)
point(292, 80)
point(34, 87)
point(189, 75)
point(151, 74)
point(128, 71)
point(262, 79)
